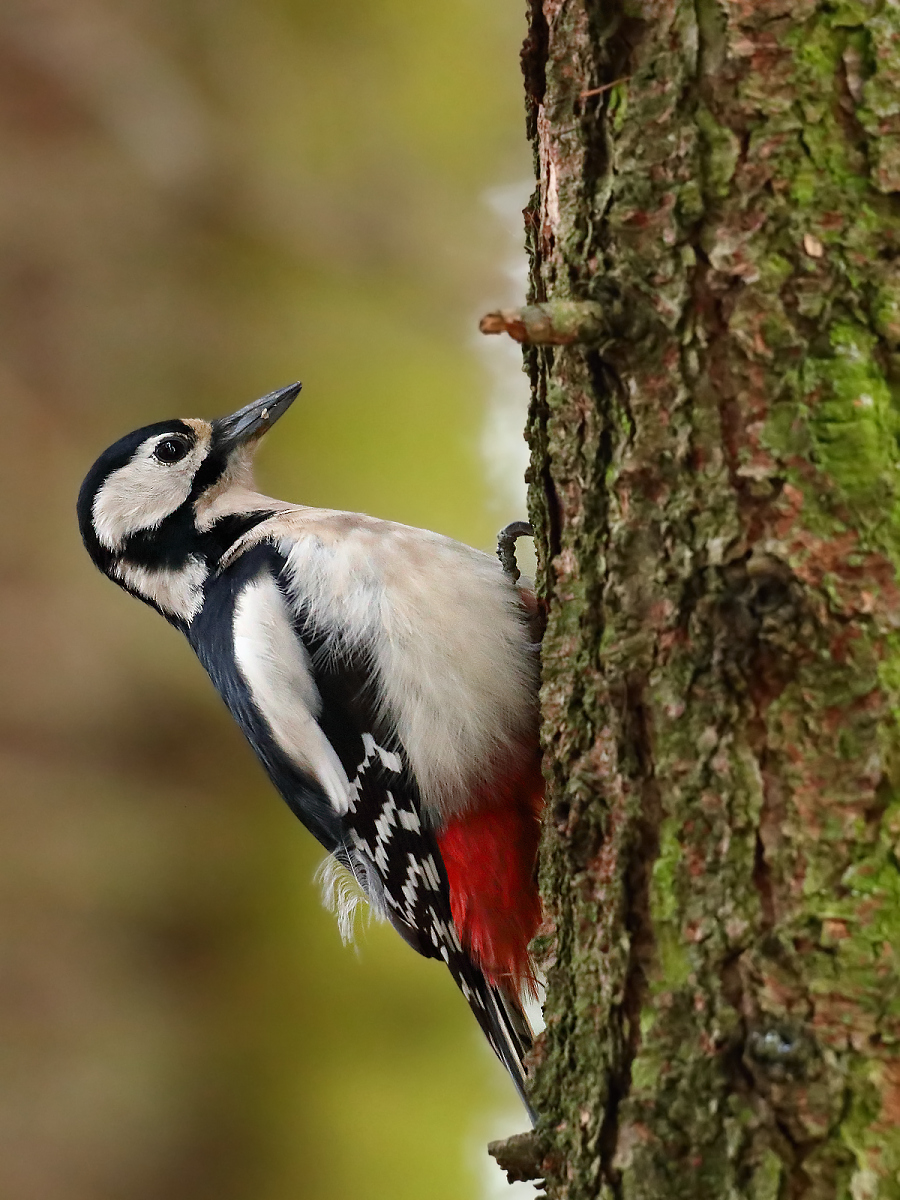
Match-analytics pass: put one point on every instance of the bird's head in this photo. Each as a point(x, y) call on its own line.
point(160, 506)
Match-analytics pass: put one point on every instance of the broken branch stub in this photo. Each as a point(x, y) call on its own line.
point(556, 323)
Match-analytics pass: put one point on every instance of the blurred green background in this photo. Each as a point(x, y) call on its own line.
point(200, 201)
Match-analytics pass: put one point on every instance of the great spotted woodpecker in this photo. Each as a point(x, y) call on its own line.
point(385, 676)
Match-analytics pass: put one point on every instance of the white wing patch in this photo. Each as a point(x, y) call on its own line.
point(275, 666)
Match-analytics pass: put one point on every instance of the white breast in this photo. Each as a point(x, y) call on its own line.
point(440, 623)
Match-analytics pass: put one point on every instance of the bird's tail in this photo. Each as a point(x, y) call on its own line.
point(502, 1018)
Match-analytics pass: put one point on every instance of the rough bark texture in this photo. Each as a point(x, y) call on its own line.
point(714, 492)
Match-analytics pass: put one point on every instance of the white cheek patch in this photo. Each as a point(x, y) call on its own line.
point(176, 590)
point(275, 667)
point(143, 493)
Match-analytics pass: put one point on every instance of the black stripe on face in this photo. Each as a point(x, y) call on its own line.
point(119, 454)
point(209, 472)
point(177, 538)
point(169, 545)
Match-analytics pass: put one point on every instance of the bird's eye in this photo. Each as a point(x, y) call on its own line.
point(170, 450)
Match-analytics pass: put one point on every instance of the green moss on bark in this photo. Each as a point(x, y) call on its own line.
point(715, 494)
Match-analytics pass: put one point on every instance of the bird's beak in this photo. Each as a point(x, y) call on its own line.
point(253, 420)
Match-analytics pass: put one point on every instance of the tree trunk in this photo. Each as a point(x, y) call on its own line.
point(713, 346)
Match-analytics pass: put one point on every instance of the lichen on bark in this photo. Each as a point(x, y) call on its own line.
point(714, 490)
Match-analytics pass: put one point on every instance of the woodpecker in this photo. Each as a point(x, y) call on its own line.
point(385, 676)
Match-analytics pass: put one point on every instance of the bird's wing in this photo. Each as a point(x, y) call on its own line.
point(310, 705)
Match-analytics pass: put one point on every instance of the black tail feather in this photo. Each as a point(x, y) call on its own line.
point(504, 1023)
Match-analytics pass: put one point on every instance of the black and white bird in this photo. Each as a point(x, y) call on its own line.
point(386, 677)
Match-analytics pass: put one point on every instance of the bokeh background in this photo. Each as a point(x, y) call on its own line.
point(201, 200)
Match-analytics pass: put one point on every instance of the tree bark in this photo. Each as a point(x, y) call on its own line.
point(712, 339)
